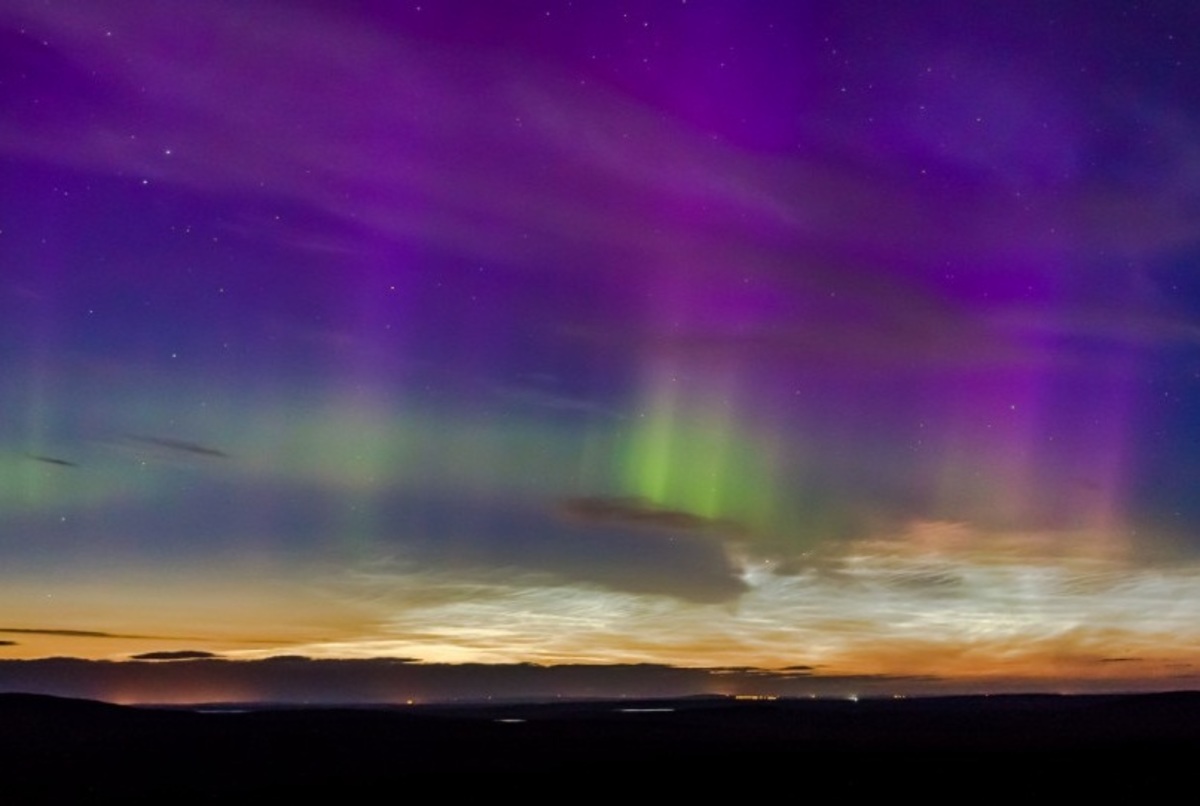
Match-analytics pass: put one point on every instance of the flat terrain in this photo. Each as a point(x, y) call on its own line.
point(1135, 744)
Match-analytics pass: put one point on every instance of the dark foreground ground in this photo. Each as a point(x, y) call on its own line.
point(961, 748)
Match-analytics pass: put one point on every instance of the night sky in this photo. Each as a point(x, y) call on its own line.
point(858, 343)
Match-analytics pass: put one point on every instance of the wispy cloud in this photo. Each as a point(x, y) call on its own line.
point(52, 460)
point(181, 445)
point(79, 633)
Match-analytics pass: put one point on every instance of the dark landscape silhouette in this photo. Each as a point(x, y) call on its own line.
point(64, 747)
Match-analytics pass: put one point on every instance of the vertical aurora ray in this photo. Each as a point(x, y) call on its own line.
point(694, 444)
point(1037, 447)
point(690, 452)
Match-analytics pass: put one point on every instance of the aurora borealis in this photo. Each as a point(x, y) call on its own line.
point(843, 341)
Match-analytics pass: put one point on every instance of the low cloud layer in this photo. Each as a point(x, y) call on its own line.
point(298, 679)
